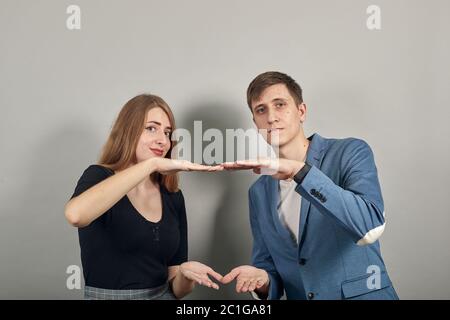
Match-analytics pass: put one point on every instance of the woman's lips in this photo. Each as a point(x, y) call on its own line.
point(157, 152)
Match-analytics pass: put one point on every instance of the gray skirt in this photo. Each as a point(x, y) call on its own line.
point(163, 292)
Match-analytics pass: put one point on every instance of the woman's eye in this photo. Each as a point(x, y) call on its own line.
point(168, 133)
point(151, 129)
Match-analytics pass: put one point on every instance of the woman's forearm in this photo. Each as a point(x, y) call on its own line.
point(91, 204)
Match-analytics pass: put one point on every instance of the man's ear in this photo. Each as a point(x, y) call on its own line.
point(302, 111)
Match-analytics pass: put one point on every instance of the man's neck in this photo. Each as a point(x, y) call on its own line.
point(296, 148)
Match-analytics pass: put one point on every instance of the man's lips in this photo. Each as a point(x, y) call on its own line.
point(158, 152)
point(274, 130)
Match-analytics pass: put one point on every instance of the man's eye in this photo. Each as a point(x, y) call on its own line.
point(260, 110)
point(279, 105)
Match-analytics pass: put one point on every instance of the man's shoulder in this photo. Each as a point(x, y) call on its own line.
point(345, 145)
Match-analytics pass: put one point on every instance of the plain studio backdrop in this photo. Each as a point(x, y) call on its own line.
point(61, 89)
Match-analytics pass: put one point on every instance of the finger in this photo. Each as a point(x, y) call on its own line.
point(215, 285)
point(198, 167)
point(235, 167)
point(231, 275)
point(215, 274)
point(245, 285)
point(215, 168)
point(255, 163)
point(239, 284)
point(209, 168)
point(196, 279)
point(252, 285)
point(228, 164)
point(208, 283)
point(231, 166)
point(238, 164)
point(259, 283)
point(238, 169)
point(201, 280)
point(193, 276)
point(250, 162)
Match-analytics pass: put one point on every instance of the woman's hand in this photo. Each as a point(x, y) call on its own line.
point(198, 272)
point(171, 166)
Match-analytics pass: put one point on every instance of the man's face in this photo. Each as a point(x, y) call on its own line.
point(276, 111)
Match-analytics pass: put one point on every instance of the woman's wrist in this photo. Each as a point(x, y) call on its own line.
point(151, 165)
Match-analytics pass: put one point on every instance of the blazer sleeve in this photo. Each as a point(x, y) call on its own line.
point(357, 205)
point(261, 257)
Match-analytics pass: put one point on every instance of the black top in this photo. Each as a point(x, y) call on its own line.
point(123, 250)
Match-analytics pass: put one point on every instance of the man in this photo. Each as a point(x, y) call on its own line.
point(316, 221)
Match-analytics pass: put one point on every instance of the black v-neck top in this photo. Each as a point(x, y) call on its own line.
point(121, 249)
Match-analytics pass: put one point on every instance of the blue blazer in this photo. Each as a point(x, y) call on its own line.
point(341, 218)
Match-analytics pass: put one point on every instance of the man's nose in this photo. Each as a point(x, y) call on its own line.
point(272, 116)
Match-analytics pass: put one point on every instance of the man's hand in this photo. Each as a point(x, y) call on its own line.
point(248, 278)
point(281, 169)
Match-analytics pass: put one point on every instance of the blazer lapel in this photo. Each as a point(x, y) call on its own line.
point(314, 157)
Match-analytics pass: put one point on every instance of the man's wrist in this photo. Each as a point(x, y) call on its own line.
point(301, 174)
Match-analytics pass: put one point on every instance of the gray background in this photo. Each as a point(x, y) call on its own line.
point(60, 91)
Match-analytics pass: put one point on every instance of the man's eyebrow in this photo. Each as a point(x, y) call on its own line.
point(279, 99)
point(159, 124)
point(273, 100)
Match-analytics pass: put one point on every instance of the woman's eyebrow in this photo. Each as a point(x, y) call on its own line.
point(159, 124)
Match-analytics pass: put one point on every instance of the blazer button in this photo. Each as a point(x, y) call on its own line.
point(313, 192)
point(310, 296)
point(302, 261)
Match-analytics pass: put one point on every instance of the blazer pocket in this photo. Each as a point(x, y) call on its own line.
point(359, 286)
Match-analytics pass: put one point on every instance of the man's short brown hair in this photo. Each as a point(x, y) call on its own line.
point(270, 78)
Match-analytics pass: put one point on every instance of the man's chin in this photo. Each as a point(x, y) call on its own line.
point(275, 142)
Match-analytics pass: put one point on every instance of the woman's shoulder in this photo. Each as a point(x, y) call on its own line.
point(91, 176)
point(97, 171)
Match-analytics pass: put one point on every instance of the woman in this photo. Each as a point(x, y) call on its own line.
point(131, 215)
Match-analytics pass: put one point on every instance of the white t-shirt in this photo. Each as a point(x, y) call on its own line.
point(289, 207)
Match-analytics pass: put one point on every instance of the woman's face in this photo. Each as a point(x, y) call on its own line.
point(155, 139)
